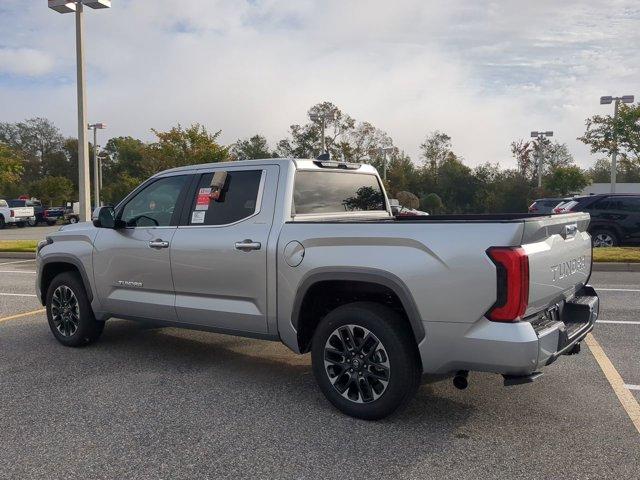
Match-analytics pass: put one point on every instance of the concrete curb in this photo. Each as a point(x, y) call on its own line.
point(616, 267)
point(21, 255)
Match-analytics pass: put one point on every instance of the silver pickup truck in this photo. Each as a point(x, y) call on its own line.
point(307, 252)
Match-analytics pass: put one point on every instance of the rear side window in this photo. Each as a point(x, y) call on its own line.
point(630, 204)
point(237, 200)
point(336, 192)
point(17, 203)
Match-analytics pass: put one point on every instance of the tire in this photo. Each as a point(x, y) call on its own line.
point(77, 326)
point(395, 357)
point(604, 238)
point(73, 220)
point(2, 223)
point(21, 224)
point(32, 223)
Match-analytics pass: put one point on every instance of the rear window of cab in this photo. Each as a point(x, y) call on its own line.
point(319, 192)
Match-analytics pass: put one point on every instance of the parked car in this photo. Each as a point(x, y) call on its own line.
point(53, 214)
point(72, 212)
point(19, 216)
point(615, 218)
point(38, 209)
point(546, 205)
point(308, 253)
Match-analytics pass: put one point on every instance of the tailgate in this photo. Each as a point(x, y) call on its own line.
point(23, 211)
point(559, 251)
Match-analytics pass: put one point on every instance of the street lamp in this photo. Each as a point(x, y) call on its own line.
point(322, 117)
point(77, 6)
point(97, 166)
point(614, 154)
point(540, 136)
point(383, 151)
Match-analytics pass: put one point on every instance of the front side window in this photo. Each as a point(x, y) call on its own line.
point(230, 197)
point(336, 192)
point(154, 205)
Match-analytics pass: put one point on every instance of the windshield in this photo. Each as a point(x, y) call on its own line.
point(336, 192)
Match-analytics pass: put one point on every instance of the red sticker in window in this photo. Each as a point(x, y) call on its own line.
point(202, 202)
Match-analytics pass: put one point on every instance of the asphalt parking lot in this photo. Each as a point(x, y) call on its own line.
point(28, 233)
point(166, 403)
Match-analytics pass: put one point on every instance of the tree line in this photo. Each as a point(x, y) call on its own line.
point(37, 160)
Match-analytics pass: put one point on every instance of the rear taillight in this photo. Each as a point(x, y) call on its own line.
point(512, 269)
point(12, 214)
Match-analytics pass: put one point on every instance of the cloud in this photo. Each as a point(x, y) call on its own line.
point(25, 61)
point(485, 72)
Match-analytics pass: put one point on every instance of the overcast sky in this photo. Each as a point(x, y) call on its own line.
point(484, 72)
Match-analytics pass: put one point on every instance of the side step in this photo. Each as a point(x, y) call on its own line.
point(511, 380)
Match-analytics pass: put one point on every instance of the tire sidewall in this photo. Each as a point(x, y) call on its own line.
point(87, 323)
point(390, 329)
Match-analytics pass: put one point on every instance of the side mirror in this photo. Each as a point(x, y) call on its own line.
point(104, 217)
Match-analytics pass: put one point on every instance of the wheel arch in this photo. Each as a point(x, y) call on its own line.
point(54, 265)
point(352, 285)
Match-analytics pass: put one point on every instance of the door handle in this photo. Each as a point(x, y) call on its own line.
point(158, 244)
point(247, 245)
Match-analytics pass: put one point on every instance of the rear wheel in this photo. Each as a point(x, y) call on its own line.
point(69, 312)
point(32, 223)
point(604, 238)
point(365, 360)
point(73, 220)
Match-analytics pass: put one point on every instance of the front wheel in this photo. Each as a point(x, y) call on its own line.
point(69, 312)
point(32, 222)
point(365, 360)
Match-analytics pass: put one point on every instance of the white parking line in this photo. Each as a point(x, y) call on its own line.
point(617, 289)
point(621, 322)
point(19, 261)
point(632, 387)
point(16, 271)
point(18, 295)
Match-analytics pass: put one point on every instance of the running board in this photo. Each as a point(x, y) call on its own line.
point(511, 380)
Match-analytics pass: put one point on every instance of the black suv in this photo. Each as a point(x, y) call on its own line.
point(615, 218)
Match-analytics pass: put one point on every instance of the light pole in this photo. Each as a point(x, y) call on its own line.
point(614, 154)
point(97, 167)
point(322, 117)
point(540, 136)
point(383, 151)
point(77, 6)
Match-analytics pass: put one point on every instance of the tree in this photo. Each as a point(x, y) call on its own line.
point(11, 168)
point(37, 139)
point(435, 149)
point(431, 203)
point(255, 147)
point(566, 180)
point(180, 146)
point(605, 135)
point(52, 190)
point(408, 200)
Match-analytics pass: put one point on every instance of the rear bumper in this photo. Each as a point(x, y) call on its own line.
point(19, 219)
point(508, 348)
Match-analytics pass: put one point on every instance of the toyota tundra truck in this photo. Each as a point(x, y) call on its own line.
point(308, 253)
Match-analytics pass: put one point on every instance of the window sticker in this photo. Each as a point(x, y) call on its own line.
point(197, 217)
point(204, 198)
